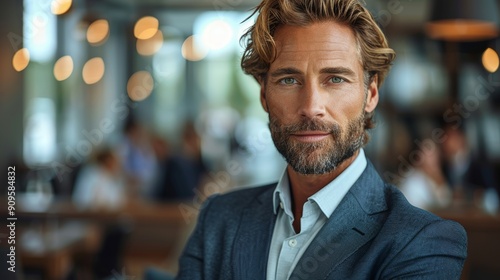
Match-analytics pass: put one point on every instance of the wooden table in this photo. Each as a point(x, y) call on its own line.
point(157, 229)
point(139, 212)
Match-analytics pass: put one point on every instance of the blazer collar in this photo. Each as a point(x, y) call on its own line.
point(352, 224)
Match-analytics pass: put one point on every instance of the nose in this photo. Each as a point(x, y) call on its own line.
point(312, 102)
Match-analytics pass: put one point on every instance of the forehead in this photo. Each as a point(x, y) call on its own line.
point(327, 40)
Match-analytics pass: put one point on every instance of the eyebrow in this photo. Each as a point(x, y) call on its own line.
point(338, 70)
point(285, 71)
point(330, 70)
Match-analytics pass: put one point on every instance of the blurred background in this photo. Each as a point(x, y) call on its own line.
point(122, 116)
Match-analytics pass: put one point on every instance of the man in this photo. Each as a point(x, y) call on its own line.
point(320, 64)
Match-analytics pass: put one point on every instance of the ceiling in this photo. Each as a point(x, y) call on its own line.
point(405, 14)
point(396, 17)
point(236, 5)
point(391, 14)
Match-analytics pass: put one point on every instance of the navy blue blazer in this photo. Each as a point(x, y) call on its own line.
point(373, 234)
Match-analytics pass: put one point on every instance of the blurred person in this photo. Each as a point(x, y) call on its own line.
point(162, 150)
point(180, 173)
point(467, 174)
point(100, 184)
point(425, 185)
point(320, 64)
point(138, 158)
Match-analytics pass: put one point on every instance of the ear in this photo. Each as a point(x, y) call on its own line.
point(263, 100)
point(372, 96)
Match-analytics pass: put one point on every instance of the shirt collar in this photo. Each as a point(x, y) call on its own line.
point(329, 197)
point(282, 197)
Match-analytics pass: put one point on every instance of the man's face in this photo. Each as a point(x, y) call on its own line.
point(316, 97)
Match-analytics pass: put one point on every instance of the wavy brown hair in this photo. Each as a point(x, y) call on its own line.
point(260, 48)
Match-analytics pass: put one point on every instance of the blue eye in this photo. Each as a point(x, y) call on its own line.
point(337, 80)
point(288, 81)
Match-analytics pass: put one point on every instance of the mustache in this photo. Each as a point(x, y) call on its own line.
point(308, 125)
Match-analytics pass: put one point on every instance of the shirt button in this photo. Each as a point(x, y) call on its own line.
point(292, 243)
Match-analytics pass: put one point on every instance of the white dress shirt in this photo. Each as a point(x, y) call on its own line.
point(287, 246)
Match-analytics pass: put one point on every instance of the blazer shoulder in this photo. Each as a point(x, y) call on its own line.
point(432, 245)
point(400, 208)
point(414, 233)
point(410, 218)
point(375, 196)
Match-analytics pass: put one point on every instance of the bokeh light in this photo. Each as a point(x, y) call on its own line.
point(98, 32)
point(217, 35)
point(490, 60)
point(93, 70)
point(21, 59)
point(146, 27)
point(59, 7)
point(140, 85)
point(150, 46)
point(63, 68)
point(191, 49)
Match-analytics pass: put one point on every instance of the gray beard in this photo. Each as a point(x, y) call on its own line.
point(319, 157)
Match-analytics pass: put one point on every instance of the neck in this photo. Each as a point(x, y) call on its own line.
point(303, 186)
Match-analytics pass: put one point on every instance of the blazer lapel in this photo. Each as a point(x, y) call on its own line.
point(253, 238)
point(349, 227)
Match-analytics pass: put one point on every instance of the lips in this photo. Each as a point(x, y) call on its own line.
point(310, 136)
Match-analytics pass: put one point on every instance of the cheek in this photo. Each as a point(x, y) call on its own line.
point(345, 108)
point(279, 112)
point(280, 106)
